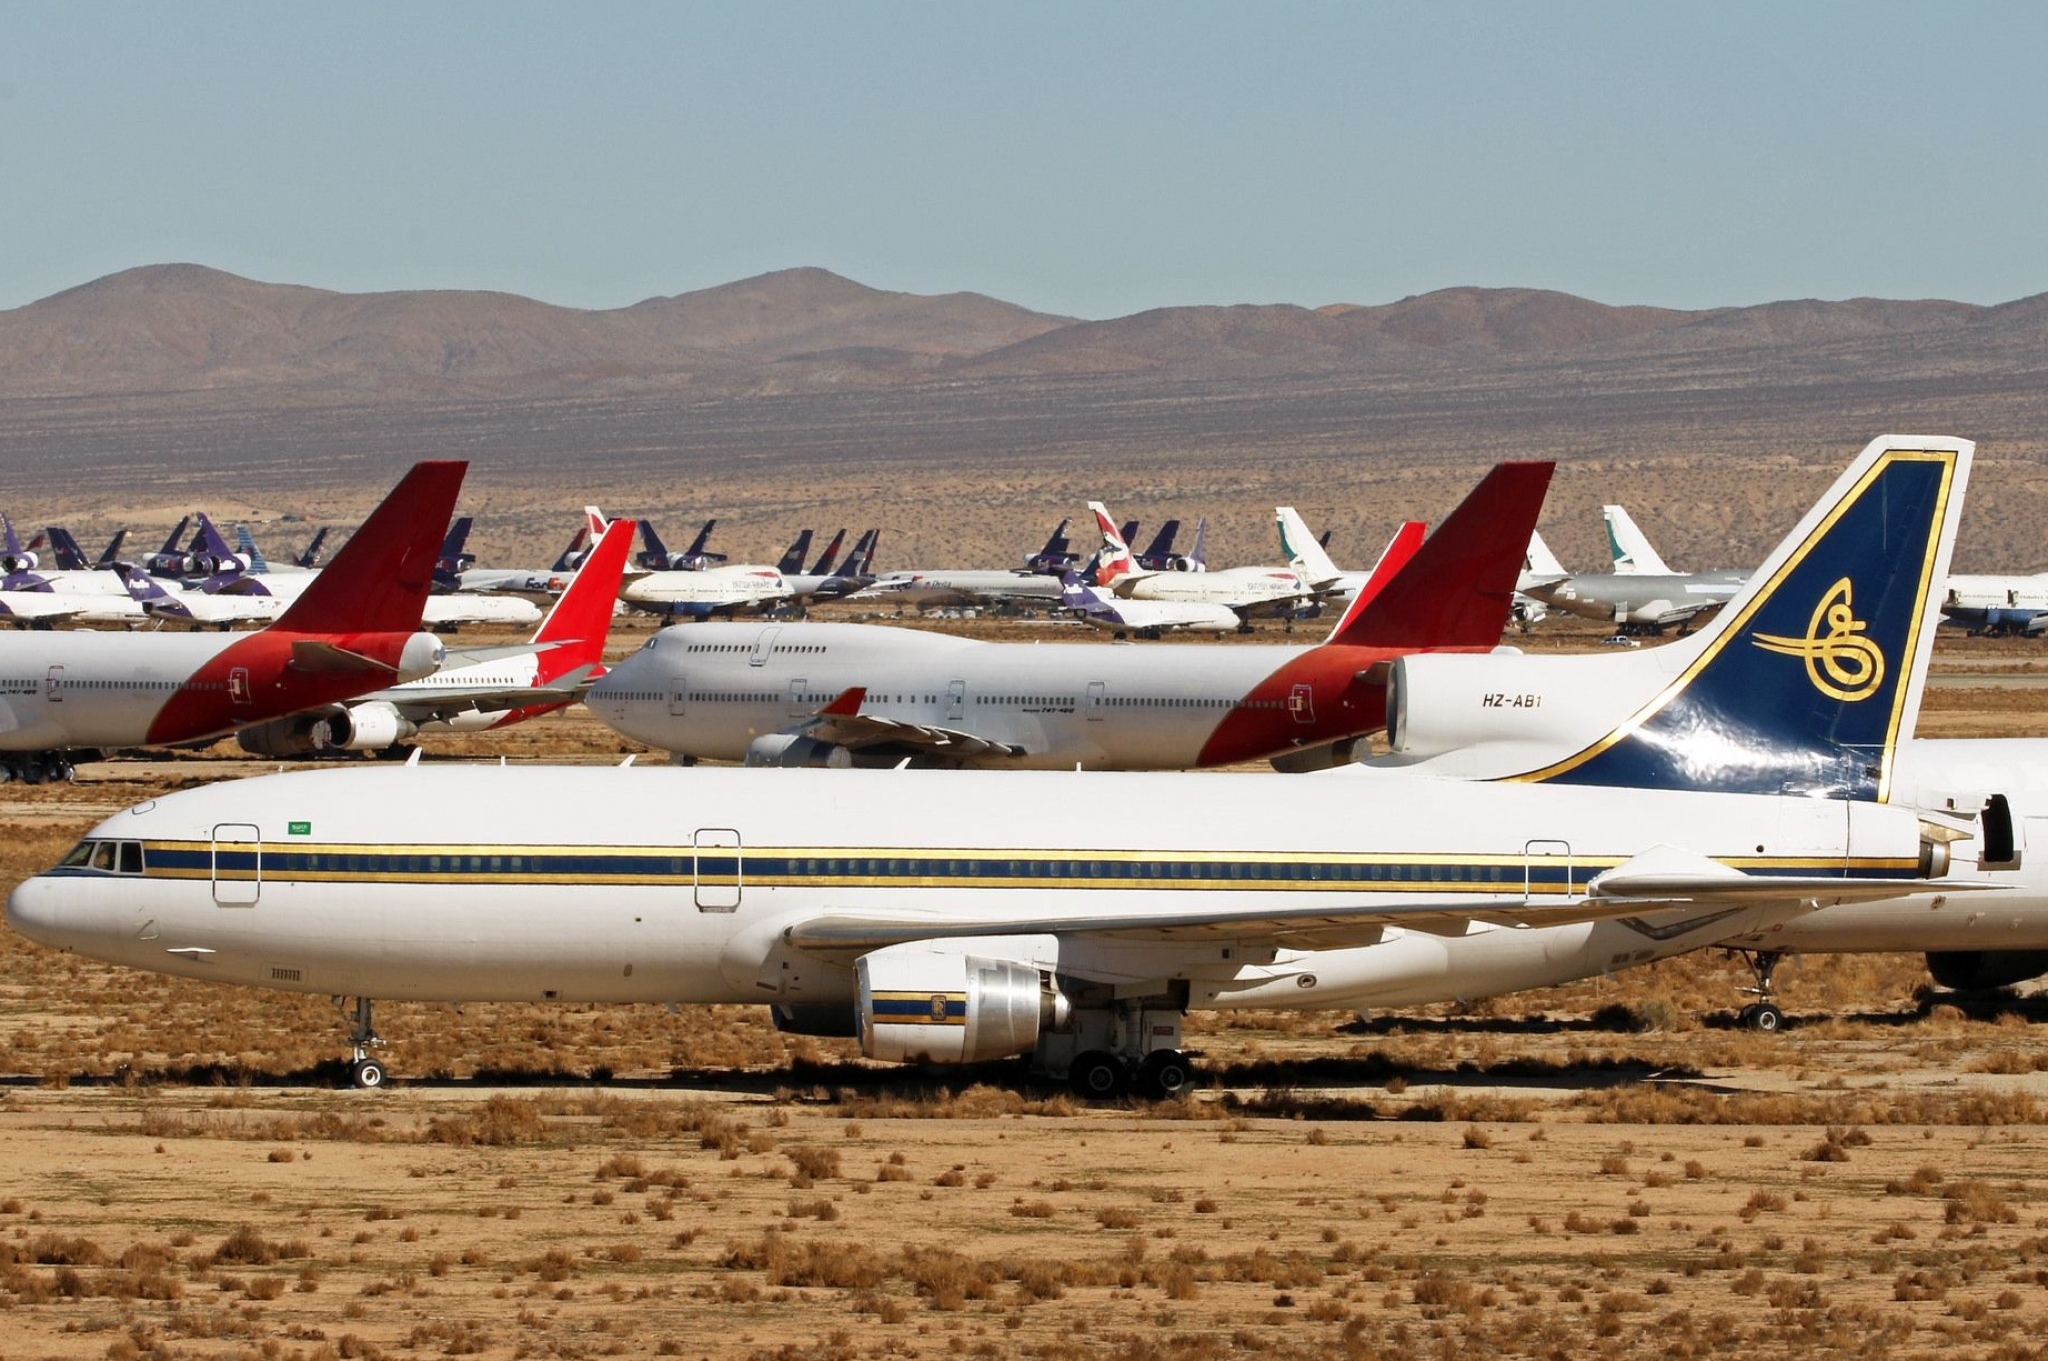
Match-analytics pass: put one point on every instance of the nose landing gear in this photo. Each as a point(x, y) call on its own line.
point(364, 1072)
point(1763, 1014)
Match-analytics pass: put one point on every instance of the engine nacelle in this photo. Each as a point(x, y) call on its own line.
point(293, 735)
point(794, 750)
point(24, 561)
point(1440, 703)
point(1981, 970)
point(918, 1005)
point(365, 727)
point(422, 656)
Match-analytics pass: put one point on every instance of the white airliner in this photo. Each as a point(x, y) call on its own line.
point(474, 691)
point(1245, 590)
point(862, 694)
point(65, 695)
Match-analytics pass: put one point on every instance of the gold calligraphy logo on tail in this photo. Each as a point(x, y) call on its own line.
point(1840, 661)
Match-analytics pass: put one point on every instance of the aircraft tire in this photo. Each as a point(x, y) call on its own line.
point(366, 1075)
point(1098, 1076)
point(1765, 1018)
point(1165, 1075)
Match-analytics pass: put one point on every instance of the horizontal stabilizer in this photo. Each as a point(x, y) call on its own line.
point(311, 655)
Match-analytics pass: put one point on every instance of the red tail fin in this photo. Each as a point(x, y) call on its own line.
point(582, 618)
point(1457, 589)
point(378, 582)
point(1402, 547)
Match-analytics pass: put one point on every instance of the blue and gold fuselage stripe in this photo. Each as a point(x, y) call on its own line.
point(910, 867)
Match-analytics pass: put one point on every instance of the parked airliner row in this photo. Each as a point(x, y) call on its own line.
point(841, 694)
point(355, 628)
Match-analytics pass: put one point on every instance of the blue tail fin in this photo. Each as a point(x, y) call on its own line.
point(112, 553)
point(245, 542)
point(312, 554)
point(177, 533)
point(794, 555)
point(1161, 547)
point(68, 554)
point(1805, 681)
point(654, 554)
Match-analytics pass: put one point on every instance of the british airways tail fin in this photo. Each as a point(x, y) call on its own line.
point(1807, 679)
point(1630, 547)
point(379, 581)
point(1455, 593)
point(1113, 559)
point(582, 618)
point(792, 559)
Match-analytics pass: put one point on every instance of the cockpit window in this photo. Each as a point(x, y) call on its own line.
point(110, 857)
point(103, 856)
point(78, 854)
point(131, 857)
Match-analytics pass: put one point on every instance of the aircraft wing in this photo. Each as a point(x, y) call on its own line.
point(443, 701)
point(35, 605)
point(1659, 880)
point(843, 724)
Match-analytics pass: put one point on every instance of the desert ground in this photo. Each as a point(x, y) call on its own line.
point(1611, 1169)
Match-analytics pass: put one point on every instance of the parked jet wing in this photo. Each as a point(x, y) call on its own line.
point(446, 701)
point(35, 605)
point(1324, 926)
point(842, 724)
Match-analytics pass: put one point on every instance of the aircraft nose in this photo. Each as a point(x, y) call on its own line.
point(33, 910)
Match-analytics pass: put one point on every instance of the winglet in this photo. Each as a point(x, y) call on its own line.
point(378, 582)
point(846, 704)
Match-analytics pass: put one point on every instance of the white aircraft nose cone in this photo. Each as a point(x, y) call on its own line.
point(33, 910)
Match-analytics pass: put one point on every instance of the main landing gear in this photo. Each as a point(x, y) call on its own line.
point(1130, 1048)
point(364, 1072)
point(1763, 1014)
point(36, 767)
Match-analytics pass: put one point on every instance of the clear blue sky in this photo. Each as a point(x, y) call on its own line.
point(1094, 159)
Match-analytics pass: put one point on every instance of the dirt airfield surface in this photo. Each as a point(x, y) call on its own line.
point(1610, 1169)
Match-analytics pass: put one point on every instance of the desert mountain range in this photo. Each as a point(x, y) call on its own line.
point(184, 328)
point(954, 420)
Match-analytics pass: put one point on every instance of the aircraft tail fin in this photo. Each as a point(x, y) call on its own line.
point(828, 559)
point(452, 558)
point(112, 553)
point(210, 541)
point(149, 593)
point(1806, 681)
point(1401, 549)
point(176, 536)
point(866, 567)
point(379, 581)
point(700, 546)
point(69, 555)
point(1457, 590)
point(311, 557)
point(792, 559)
point(246, 543)
point(1161, 546)
point(582, 618)
point(1304, 552)
point(1114, 559)
point(1540, 561)
point(1630, 547)
point(653, 552)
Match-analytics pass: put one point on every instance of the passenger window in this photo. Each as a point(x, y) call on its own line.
point(131, 857)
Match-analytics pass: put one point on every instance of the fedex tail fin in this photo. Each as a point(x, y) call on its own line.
point(177, 533)
point(112, 553)
point(582, 618)
point(654, 553)
point(379, 581)
point(311, 556)
point(68, 554)
point(1631, 549)
point(792, 559)
point(1806, 680)
point(827, 559)
point(145, 591)
point(1456, 591)
point(211, 543)
point(698, 552)
point(452, 558)
point(1161, 546)
point(1304, 552)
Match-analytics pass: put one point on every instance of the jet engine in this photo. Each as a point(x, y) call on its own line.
point(1328, 756)
point(22, 561)
point(920, 1006)
point(422, 656)
point(794, 749)
point(219, 564)
point(1982, 970)
point(365, 727)
point(1437, 704)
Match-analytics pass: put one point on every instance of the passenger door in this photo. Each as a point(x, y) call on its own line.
point(716, 870)
point(237, 864)
point(1547, 871)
